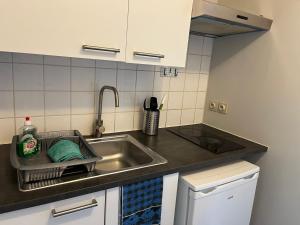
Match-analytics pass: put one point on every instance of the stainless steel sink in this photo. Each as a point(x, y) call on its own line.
point(123, 153)
point(119, 154)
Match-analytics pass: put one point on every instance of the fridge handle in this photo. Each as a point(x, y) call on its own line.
point(217, 189)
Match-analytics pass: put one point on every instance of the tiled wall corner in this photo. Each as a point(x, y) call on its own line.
point(61, 93)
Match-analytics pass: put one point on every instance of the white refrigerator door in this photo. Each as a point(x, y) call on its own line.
point(228, 204)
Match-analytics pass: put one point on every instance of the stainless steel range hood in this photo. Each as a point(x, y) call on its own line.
point(215, 20)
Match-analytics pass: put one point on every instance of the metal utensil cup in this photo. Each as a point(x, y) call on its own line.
point(151, 122)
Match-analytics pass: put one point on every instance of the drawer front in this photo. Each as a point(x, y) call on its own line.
point(87, 209)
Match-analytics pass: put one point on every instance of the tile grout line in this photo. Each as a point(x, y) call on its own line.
point(14, 94)
point(44, 91)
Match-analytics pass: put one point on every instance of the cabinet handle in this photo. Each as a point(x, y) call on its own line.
point(55, 213)
point(102, 49)
point(152, 55)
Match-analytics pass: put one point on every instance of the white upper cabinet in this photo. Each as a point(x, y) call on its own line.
point(158, 32)
point(134, 31)
point(62, 27)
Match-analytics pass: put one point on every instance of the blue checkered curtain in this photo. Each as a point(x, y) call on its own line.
point(141, 202)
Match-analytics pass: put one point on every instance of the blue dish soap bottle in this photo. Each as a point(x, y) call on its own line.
point(28, 144)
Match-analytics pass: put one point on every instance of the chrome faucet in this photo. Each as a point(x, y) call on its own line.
point(99, 128)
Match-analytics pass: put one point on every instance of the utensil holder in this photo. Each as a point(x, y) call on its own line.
point(151, 122)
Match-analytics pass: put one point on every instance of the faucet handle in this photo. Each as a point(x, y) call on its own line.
point(101, 128)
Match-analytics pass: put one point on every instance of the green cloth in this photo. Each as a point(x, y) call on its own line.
point(64, 150)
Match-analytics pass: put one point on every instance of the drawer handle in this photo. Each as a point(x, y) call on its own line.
point(152, 55)
point(102, 49)
point(55, 213)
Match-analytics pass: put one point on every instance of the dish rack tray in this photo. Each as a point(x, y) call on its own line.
point(40, 167)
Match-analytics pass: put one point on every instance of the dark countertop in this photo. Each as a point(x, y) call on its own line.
point(182, 156)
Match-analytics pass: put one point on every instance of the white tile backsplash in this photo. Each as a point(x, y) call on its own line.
point(173, 118)
point(57, 60)
point(191, 82)
point(27, 58)
point(163, 118)
point(56, 123)
point(29, 103)
point(127, 66)
point(82, 102)
point(57, 103)
point(203, 81)
point(62, 93)
point(7, 133)
point(187, 116)
point(106, 64)
point(161, 83)
point(199, 116)
point(175, 100)
point(144, 81)
point(193, 64)
point(5, 57)
point(126, 80)
point(196, 44)
point(124, 121)
point(201, 96)
point(82, 79)
point(83, 123)
point(57, 78)
point(7, 104)
point(83, 62)
point(189, 100)
point(109, 122)
point(177, 83)
point(105, 77)
point(138, 120)
point(208, 46)
point(6, 76)
point(205, 64)
point(28, 77)
point(126, 102)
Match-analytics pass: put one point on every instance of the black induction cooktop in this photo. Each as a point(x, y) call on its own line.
point(205, 139)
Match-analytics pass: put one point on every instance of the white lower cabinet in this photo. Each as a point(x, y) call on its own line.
point(54, 213)
point(99, 208)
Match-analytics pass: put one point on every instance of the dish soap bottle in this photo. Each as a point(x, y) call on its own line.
point(28, 143)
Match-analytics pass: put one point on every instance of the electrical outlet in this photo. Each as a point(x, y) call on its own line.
point(213, 106)
point(222, 108)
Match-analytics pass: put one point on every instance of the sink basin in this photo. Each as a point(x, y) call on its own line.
point(119, 154)
point(123, 153)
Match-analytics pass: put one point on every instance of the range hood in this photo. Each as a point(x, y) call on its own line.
point(215, 20)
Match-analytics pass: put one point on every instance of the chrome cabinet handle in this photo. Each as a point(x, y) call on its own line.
point(102, 49)
point(152, 55)
point(55, 213)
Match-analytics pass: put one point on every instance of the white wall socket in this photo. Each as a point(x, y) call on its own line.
point(213, 106)
point(222, 108)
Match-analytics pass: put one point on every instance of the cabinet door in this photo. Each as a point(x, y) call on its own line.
point(113, 202)
point(158, 32)
point(93, 214)
point(62, 27)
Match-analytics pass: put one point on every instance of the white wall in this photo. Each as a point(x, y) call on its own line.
point(62, 93)
point(258, 76)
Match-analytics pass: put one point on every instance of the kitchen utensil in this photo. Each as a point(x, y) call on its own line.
point(153, 103)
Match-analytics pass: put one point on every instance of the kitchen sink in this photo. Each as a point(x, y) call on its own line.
point(117, 154)
point(123, 153)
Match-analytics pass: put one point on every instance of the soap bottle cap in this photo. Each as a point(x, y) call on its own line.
point(27, 121)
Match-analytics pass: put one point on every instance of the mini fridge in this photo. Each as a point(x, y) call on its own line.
point(222, 195)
